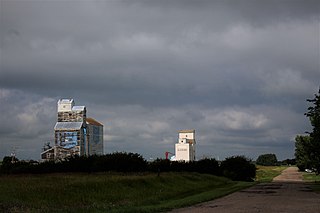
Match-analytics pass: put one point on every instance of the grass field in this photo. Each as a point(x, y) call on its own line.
point(110, 192)
point(311, 177)
point(314, 179)
point(113, 192)
point(267, 173)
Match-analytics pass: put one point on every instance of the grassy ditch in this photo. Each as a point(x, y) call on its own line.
point(110, 192)
point(267, 173)
point(314, 181)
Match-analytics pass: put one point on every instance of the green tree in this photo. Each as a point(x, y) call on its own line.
point(267, 160)
point(289, 162)
point(308, 149)
point(314, 115)
point(303, 146)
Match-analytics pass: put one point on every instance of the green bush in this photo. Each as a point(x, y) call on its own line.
point(208, 166)
point(267, 160)
point(238, 168)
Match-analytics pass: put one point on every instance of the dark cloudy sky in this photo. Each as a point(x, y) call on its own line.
point(237, 71)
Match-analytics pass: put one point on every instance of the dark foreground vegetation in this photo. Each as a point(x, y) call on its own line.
point(118, 182)
point(110, 192)
point(121, 182)
point(237, 168)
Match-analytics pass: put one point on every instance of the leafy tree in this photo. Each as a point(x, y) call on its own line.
point(303, 148)
point(289, 162)
point(267, 160)
point(7, 160)
point(313, 147)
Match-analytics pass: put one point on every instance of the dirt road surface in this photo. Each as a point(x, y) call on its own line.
point(287, 193)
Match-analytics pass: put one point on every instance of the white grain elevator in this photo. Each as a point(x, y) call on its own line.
point(185, 149)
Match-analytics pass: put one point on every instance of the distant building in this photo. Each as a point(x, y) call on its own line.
point(47, 152)
point(185, 148)
point(74, 133)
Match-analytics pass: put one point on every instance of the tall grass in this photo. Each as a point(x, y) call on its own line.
point(110, 192)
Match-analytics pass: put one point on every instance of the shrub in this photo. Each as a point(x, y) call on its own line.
point(160, 165)
point(238, 168)
point(125, 162)
point(209, 166)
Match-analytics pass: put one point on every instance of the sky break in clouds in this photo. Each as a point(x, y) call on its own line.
point(239, 72)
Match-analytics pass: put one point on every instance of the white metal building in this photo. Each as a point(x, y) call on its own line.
point(185, 149)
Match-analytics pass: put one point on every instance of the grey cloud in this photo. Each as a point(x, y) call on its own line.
point(29, 121)
point(237, 71)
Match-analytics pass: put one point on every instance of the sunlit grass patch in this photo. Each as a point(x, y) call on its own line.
point(267, 173)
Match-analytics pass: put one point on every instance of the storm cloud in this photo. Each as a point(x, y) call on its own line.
point(239, 72)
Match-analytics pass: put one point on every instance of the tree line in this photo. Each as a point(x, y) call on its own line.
point(238, 168)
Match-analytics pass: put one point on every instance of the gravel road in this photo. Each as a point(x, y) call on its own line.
point(287, 193)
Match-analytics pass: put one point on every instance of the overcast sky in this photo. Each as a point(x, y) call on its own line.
point(237, 71)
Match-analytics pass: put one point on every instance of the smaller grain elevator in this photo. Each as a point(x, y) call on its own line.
point(185, 149)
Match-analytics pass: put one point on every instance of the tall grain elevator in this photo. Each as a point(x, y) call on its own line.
point(74, 133)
